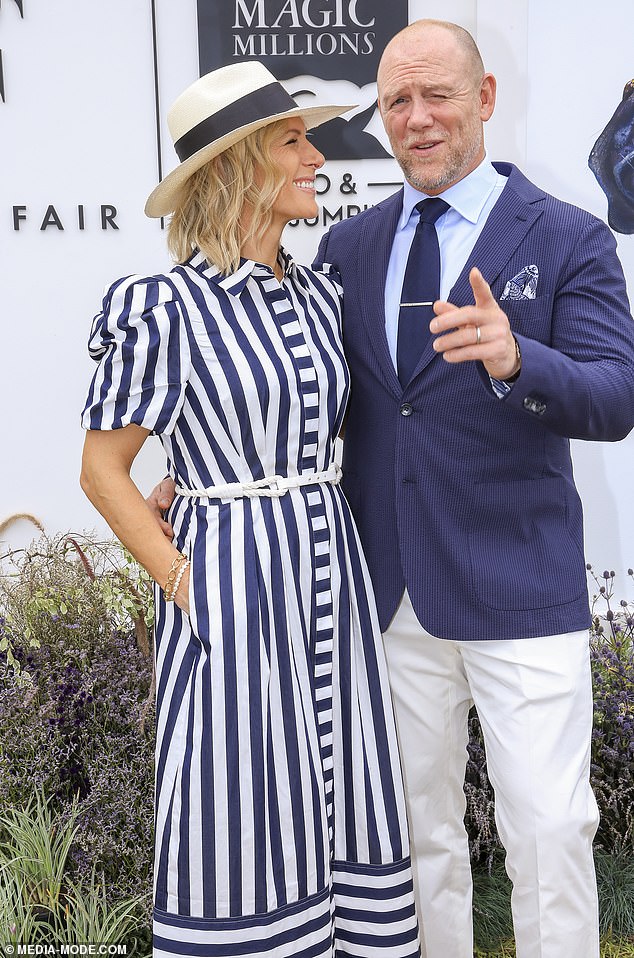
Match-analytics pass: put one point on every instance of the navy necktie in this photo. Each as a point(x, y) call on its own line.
point(421, 285)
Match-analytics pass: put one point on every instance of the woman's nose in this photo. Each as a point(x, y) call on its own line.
point(313, 157)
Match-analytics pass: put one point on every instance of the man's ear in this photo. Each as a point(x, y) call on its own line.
point(488, 89)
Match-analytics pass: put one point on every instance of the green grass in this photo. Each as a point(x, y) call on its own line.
point(38, 901)
point(615, 881)
point(492, 922)
point(493, 929)
point(609, 949)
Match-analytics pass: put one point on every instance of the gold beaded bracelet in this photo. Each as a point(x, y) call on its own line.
point(172, 582)
point(177, 582)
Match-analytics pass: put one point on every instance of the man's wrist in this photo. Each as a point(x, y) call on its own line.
point(518, 365)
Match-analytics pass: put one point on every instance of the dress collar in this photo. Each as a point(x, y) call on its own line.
point(235, 281)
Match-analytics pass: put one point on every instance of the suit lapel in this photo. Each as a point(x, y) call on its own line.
point(509, 221)
point(508, 224)
point(375, 245)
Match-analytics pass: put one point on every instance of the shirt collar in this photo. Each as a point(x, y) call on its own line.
point(467, 196)
point(234, 282)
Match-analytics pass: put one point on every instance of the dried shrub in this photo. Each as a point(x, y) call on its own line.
point(76, 703)
point(612, 653)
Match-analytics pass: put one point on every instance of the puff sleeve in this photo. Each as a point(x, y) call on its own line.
point(327, 279)
point(332, 273)
point(140, 342)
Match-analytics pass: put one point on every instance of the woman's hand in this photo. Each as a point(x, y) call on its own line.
point(159, 500)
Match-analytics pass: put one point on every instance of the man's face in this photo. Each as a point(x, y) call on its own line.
point(433, 105)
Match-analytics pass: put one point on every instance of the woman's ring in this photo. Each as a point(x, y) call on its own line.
point(478, 336)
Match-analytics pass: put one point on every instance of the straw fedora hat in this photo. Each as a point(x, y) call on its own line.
point(217, 111)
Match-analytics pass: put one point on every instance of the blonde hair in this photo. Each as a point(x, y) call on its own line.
point(221, 205)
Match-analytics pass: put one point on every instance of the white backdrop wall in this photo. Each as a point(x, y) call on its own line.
point(78, 131)
point(576, 71)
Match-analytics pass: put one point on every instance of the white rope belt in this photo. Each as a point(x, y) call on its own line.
point(271, 486)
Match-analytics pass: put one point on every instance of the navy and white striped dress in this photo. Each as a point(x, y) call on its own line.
point(280, 816)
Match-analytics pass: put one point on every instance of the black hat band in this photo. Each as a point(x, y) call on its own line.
point(258, 105)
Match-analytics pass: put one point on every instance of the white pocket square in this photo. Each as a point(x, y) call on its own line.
point(523, 285)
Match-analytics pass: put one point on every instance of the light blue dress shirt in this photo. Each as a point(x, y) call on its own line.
point(471, 200)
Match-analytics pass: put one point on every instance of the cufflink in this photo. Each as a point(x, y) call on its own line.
point(535, 406)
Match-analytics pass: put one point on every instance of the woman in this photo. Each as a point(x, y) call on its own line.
point(280, 822)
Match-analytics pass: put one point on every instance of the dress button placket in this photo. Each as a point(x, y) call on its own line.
point(322, 625)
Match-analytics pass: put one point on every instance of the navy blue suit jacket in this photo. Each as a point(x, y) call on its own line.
point(466, 499)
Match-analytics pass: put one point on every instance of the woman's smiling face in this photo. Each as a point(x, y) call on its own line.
point(296, 155)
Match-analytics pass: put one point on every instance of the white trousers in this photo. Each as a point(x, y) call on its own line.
point(534, 701)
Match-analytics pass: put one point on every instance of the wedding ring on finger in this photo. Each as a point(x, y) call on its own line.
point(478, 336)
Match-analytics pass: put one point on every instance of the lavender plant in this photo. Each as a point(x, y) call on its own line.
point(612, 655)
point(76, 706)
point(484, 842)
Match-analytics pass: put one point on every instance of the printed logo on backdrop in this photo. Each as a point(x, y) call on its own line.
point(49, 217)
point(20, 7)
point(323, 51)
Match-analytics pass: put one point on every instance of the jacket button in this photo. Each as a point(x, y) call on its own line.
point(406, 409)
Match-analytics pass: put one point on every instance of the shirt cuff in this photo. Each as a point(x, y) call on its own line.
point(500, 387)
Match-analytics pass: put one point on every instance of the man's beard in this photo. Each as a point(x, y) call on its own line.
point(458, 164)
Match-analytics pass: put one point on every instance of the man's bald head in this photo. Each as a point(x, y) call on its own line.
point(408, 37)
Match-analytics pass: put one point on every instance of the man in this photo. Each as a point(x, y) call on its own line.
point(460, 477)
point(461, 483)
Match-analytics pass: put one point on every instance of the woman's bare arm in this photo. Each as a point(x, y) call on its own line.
point(105, 478)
